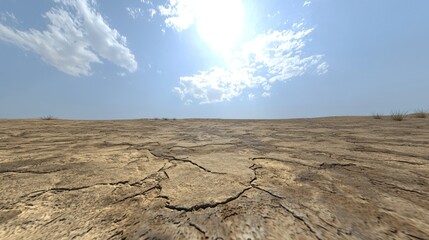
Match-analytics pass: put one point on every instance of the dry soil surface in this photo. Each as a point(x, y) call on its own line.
point(327, 178)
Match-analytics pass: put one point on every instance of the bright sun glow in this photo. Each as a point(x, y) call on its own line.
point(220, 23)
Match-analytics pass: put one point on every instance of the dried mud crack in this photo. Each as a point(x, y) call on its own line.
point(208, 205)
point(328, 178)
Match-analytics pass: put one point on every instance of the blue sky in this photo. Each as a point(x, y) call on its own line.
point(212, 58)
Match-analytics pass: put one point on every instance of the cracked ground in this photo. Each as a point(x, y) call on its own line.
point(327, 178)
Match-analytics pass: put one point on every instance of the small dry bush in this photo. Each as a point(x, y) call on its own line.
point(420, 113)
point(398, 115)
point(377, 116)
point(49, 117)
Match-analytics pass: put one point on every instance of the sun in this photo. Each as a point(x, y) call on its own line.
point(220, 23)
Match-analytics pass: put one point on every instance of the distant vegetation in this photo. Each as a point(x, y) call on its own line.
point(164, 119)
point(420, 113)
point(398, 115)
point(49, 117)
point(377, 116)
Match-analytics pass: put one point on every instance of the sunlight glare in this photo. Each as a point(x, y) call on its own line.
point(220, 23)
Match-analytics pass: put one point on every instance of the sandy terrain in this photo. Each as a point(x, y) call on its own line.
point(328, 178)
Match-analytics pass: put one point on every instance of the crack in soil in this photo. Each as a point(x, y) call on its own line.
point(301, 219)
point(116, 234)
point(204, 145)
point(81, 234)
point(208, 205)
point(366, 149)
point(266, 191)
point(197, 165)
point(414, 236)
point(375, 182)
point(283, 161)
point(138, 194)
point(325, 165)
point(32, 172)
point(171, 158)
point(52, 220)
point(255, 167)
point(65, 189)
point(215, 204)
point(198, 229)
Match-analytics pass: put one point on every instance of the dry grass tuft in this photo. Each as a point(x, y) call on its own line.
point(377, 116)
point(420, 113)
point(49, 117)
point(398, 115)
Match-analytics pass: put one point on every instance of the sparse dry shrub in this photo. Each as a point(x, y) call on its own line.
point(420, 113)
point(398, 115)
point(49, 117)
point(377, 116)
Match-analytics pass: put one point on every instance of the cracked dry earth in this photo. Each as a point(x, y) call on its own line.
point(327, 178)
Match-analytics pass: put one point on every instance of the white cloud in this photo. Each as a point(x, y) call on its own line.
point(7, 16)
point(217, 84)
point(267, 88)
point(134, 12)
point(297, 25)
point(180, 14)
point(273, 15)
point(138, 12)
point(152, 12)
point(266, 94)
point(146, 2)
point(76, 37)
point(251, 96)
point(306, 3)
point(322, 68)
point(268, 58)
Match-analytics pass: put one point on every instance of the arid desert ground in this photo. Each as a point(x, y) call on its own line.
point(325, 178)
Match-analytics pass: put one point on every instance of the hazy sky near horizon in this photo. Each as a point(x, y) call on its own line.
point(89, 59)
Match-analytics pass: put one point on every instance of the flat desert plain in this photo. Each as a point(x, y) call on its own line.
point(325, 178)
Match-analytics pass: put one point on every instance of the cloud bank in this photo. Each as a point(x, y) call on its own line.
point(270, 57)
point(76, 37)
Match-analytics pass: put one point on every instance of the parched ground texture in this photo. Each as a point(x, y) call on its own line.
point(326, 178)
